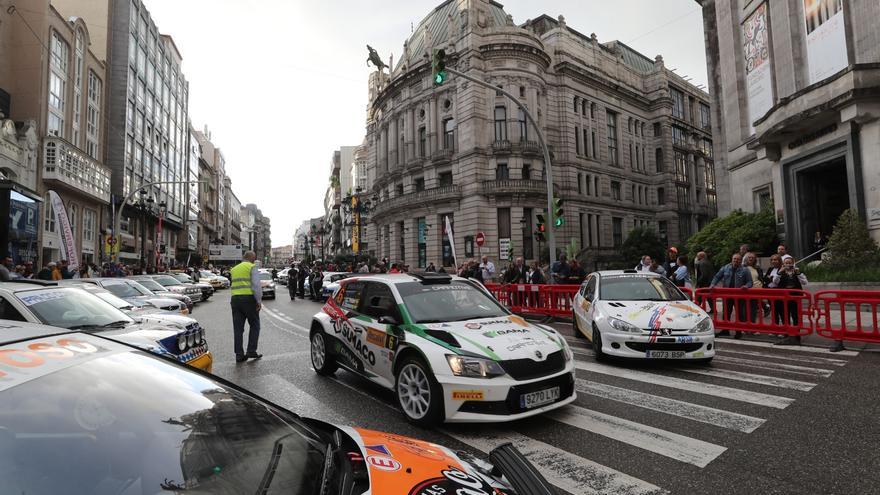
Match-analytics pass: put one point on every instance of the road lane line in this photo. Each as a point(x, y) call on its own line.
point(795, 348)
point(824, 373)
point(293, 398)
point(570, 472)
point(299, 330)
point(740, 376)
point(665, 443)
point(682, 409)
point(736, 394)
point(785, 357)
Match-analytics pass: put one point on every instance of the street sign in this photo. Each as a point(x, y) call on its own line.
point(480, 239)
point(111, 240)
point(503, 247)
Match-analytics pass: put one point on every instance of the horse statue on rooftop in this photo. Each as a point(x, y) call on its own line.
point(375, 59)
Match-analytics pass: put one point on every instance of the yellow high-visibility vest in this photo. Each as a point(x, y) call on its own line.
point(241, 279)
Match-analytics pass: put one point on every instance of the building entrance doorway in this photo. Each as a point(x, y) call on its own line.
point(823, 194)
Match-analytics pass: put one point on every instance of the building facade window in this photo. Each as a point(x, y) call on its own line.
point(681, 168)
point(577, 140)
point(658, 160)
point(523, 126)
point(612, 137)
point(617, 232)
point(58, 64)
point(419, 184)
point(615, 190)
point(679, 136)
point(445, 179)
point(504, 223)
point(526, 171)
point(93, 125)
point(500, 123)
point(449, 134)
point(683, 194)
point(678, 110)
point(593, 147)
point(684, 226)
point(423, 140)
point(77, 86)
point(49, 222)
point(89, 222)
point(705, 119)
point(502, 172)
point(71, 217)
point(661, 196)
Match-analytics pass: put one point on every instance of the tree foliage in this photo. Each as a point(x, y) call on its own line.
point(723, 236)
point(850, 244)
point(639, 242)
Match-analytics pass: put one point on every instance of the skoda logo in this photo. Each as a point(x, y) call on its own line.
point(538, 354)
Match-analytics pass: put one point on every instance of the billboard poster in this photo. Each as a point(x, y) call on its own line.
point(224, 252)
point(826, 38)
point(24, 219)
point(759, 76)
point(68, 243)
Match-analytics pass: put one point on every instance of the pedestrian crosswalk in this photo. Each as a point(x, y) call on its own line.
point(674, 416)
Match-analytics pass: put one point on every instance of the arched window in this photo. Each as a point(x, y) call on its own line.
point(576, 100)
point(49, 212)
point(71, 217)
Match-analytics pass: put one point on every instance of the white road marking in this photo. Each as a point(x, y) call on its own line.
point(665, 443)
point(291, 397)
point(740, 376)
point(785, 357)
point(736, 394)
point(796, 348)
point(824, 373)
point(298, 330)
point(570, 472)
point(682, 409)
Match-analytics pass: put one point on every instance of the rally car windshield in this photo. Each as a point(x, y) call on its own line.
point(455, 301)
point(638, 288)
point(126, 423)
point(68, 308)
point(265, 276)
point(167, 280)
point(182, 277)
point(150, 284)
point(122, 289)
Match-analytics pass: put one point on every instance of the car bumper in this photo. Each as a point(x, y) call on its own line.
point(268, 293)
point(205, 362)
point(627, 345)
point(195, 297)
point(476, 400)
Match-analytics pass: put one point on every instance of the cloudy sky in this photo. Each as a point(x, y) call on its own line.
point(281, 84)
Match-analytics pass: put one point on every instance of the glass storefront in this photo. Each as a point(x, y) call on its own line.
point(19, 237)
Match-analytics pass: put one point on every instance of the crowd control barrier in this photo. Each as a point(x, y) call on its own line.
point(837, 315)
point(856, 314)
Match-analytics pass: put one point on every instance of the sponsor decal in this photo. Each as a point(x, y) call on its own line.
point(416, 447)
point(37, 297)
point(498, 333)
point(437, 326)
point(526, 343)
point(380, 449)
point(346, 328)
point(538, 354)
point(467, 395)
point(685, 339)
point(473, 326)
point(455, 481)
point(585, 305)
point(25, 361)
point(383, 463)
point(684, 307)
point(495, 322)
point(698, 354)
point(376, 337)
point(656, 315)
point(348, 357)
point(518, 320)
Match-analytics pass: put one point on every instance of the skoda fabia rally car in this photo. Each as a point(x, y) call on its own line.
point(86, 414)
point(446, 347)
point(641, 315)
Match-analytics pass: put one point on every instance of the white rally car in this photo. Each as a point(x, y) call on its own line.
point(447, 348)
point(633, 314)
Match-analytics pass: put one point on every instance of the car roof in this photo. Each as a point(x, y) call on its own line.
point(12, 331)
point(26, 284)
point(604, 273)
point(393, 278)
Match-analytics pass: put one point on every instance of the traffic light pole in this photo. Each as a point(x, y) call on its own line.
point(551, 237)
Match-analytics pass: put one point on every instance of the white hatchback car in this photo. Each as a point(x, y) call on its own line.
point(447, 348)
point(640, 315)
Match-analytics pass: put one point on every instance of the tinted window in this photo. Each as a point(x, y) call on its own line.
point(349, 297)
point(639, 288)
point(166, 280)
point(125, 423)
point(121, 289)
point(591, 288)
point(378, 301)
point(455, 301)
point(8, 311)
point(150, 284)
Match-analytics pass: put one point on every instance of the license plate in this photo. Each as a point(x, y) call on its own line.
point(539, 398)
point(666, 354)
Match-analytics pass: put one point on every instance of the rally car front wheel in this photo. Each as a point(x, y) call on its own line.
point(322, 360)
point(418, 393)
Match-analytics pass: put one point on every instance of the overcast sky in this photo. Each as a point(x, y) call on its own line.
point(281, 84)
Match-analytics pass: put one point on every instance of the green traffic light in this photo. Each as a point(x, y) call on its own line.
point(440, 77)
point(560, 221)
point(438, 67)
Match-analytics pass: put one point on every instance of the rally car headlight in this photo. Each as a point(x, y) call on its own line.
point(473, 367)
point(181, 342)
point(623, 326)
point(703, 326)
point(201, 334)
point(566, 351)
point(191, 338)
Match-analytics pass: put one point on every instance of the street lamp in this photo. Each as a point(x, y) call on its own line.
point(144, 204)
point(319, 231)
point(163, 208)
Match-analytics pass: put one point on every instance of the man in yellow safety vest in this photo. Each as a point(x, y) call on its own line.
point(247, 299)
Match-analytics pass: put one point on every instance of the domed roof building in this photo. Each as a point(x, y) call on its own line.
point(628, 144)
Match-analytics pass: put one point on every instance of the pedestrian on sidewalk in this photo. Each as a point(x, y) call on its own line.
point(247, 297)
point(704, 271)
point(733, 275)
point(790, 277)
point(681, 277)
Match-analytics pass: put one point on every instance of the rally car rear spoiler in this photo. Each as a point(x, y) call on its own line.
point(523, 477)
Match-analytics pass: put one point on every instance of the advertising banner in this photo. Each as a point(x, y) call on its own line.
point(68, 244)
point(224, 252)
point(826, 38)
point(451, 240)
point(356, 228)
point(24, 219)
point(759, 78)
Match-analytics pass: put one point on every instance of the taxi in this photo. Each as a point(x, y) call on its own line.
point(638, 315)
point(445, 346)
point(87, 414)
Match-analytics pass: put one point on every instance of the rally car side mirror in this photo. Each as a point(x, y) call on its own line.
point(388, 320)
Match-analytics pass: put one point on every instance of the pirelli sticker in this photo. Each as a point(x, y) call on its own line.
point(467, 395)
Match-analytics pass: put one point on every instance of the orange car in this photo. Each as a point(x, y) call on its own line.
point(86, 414)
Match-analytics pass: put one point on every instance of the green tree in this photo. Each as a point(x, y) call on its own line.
point(850, 244)
point(639, 242)
point(724, 235)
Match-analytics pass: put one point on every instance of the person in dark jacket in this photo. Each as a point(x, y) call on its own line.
point(518, 273)
point(790, 277)
point(292, 281)
point(733, 275)
point(302, 273)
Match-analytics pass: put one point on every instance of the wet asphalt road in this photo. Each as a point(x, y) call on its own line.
point(759, 420)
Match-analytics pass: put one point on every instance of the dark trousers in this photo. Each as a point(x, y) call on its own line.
point(301, 287)
point(245, 308)
point(729, 304)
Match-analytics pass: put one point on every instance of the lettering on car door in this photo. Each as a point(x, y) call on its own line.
point(379, 338)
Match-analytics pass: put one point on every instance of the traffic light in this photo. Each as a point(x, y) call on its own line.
point(438, 67)
point(539, 232)
point(558, 220)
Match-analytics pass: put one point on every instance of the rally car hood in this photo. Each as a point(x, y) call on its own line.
point(406, 466)
point(674, 315)
point(500, 338)
point(159, 302)
point(169, 321)
point(144, 335)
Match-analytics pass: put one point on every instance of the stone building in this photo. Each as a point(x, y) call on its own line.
point(53, 85)
point(630, 141)
point(796, 108)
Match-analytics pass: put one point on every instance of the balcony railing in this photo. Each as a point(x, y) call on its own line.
point(501, 146)
point(443, 155)
point(514, 186)
point(531, 148)
point(414, 199)
point(67, 164)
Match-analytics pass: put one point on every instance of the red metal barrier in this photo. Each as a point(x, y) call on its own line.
point(861, 327)
point(773, 311)
point(546, 300)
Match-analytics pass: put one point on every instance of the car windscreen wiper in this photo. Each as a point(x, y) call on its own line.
point(116, 324)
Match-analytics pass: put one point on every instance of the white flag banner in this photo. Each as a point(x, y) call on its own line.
point(68, 245)
point(451, 240)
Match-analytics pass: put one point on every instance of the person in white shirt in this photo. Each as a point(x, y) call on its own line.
point(488, 269)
